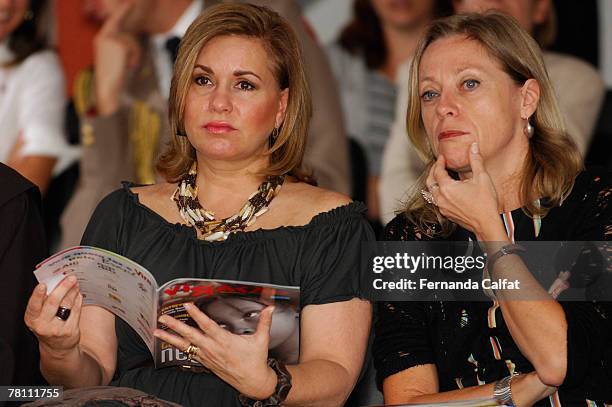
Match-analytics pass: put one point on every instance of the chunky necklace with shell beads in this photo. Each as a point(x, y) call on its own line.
point(192, 212)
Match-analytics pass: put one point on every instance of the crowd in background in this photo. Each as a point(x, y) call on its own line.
point(358, 143)
point(84, 87)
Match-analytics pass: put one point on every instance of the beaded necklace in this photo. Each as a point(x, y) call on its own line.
point(192, 212)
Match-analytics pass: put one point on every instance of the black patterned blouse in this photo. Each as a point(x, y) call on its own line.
point(469, 342)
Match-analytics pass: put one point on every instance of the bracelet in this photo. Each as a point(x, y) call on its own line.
point(502, 392)
point(504, 251)
point(283, 385)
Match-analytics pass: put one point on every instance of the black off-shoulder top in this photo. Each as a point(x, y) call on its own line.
point(321, 257)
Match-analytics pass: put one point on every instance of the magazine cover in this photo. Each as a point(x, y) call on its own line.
point(130, 291)
point(236, 307)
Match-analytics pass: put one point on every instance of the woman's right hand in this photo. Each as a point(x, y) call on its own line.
point(472, 203)
point(56, 336)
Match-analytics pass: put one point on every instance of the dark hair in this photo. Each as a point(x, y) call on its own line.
point(29, 36)
point(363, 34)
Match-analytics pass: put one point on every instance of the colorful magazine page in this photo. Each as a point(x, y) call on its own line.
point(108, 280)
point(129, 291)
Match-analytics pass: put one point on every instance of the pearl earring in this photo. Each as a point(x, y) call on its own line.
point(529, 130)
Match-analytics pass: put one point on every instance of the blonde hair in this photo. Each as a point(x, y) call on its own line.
point(285, 57)
point(553, 160)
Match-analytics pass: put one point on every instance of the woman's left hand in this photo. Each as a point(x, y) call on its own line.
point(472, 203)
point(239, 360)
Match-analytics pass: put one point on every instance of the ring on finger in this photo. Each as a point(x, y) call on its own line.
point(63, 313)
point(191, 351)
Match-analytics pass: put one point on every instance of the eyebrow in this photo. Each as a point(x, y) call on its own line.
point(465, 68)
point(457, 71)
point(243, 73)
point(236, 73)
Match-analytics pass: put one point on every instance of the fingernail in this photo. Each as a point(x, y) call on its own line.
point(41, 288)
point(72, 279)
point(474, 148)
point(187, 305)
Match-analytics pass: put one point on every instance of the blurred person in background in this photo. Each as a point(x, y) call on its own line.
point(365, 59)
point(577, 84)
point(32, 96)
point(122, 100)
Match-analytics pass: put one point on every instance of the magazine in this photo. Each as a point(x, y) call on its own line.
point(129, 291)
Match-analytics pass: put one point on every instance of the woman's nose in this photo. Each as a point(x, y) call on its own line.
point(447, 104)
point(220, 100)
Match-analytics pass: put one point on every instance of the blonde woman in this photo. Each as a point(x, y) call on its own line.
point(239, 110)
point(501, 169)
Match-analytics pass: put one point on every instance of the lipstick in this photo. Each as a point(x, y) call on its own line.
point(218, 127)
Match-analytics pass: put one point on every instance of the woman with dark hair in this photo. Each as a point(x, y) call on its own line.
point(500, 168)
point(366, 58)
point(32, 97)
point(235, 206)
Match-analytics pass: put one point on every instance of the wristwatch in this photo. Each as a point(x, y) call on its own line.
point(503, 391)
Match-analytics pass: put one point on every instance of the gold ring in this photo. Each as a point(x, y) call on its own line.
point(191, 351)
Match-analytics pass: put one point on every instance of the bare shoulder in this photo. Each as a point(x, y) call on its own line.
point(307, 201)
point(157, 198)
point(154, 191)
point(325, 200)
